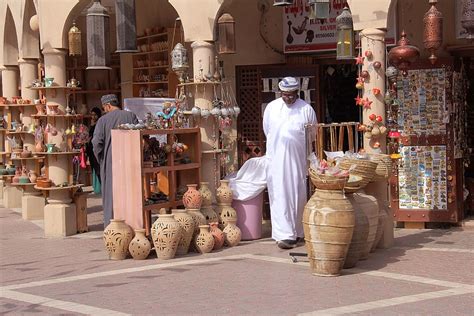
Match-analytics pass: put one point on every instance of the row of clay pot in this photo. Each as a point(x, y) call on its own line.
point(172, 234)
point(194, 199)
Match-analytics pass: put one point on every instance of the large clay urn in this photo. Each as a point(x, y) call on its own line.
point(380, 227)
point(198, 217)
point(192, 197)
point(370, 207)
point(166, 234)
point(117, 237)
point(219, 236)
point(140, 246)
point(206, 194)
point(187, 228)
point(360, 235)
point(224, 193)
point(204, 241)
point(232, 233)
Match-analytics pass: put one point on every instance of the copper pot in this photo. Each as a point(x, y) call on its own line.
point(404, 54)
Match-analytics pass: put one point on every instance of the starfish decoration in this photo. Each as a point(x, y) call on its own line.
point(359, 100)
point(359, 60)
point(367, 104)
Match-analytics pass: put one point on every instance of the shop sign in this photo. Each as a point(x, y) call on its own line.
point(304, 35)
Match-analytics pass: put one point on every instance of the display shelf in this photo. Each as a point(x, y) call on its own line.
point(169, 131)
point(102, 91)
point(185, 166)
point(151, 52)
point(29, 158)
point(56, 88)
point(58, 153)
point(185, 84)
point(75, 116)
point(163, 34)
point(69, 187)
point(22, 184)
point(18, 133)
point(8, 105)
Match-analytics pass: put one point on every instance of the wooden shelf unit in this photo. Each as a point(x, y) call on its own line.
point(134, 184)
point(152, 73)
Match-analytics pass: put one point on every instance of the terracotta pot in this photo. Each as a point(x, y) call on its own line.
point(232, 234)
point(39, 147)
point(192, 197)
point(359, 236)
point(226, 213)
point(140, 246)
point(224, 193)
point(210, 214)
point(25, 153)
point(204, 241)
point(117, 237)
point(187, 228)
point(219, 237)
point(206, 194)
point(166, 234)
point(328, 223)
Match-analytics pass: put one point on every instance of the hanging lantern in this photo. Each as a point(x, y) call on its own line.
point(125, 24)
point(179, 61)
point(402, 55)
point(279, 3)
point(467, 21)
point(433, 35)
point(321, 8)
point(391, 74)
point(345, 35)
point(98, 46)
point(226, 25)
point(74, 40)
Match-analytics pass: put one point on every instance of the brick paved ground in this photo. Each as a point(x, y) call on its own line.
point(427, 272)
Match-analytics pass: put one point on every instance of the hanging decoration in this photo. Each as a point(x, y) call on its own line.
point(226, 26)
point(320, 8)
point(433, 31)
point(126, 26)
point(179, 61)
point(404, 54)
point(98, 36)
point(467, 20)
point(345, 35)
point(74, 40)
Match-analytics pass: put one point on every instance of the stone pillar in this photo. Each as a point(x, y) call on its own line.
point(12, 196)
point(32, 204)
point(373, 40)
point(203, 53)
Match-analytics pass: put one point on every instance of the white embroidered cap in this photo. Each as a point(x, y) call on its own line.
point(289, 84)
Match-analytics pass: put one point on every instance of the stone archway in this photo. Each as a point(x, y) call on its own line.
point(10, 40)
point(30, 39)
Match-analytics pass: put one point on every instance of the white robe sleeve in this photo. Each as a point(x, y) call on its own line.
point(312, 119)
point(266, 119)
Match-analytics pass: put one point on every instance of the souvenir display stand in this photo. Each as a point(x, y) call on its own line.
point(138, 189)
point(56, 125)
point(427, 185)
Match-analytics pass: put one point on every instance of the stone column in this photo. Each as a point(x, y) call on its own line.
point(32, 204)
point(10, 81)
point(373, 40)
point(59, 213)
point(203, 54)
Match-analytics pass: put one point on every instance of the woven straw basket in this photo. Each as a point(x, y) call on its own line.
point(384, 166)
point(326, 182)
point(353, 184)
point(364, 168)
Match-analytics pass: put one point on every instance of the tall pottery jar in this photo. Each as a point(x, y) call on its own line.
point(117, 237)
point(187, 229)
point(328, 223)
point(206, 194)
point(232, 234)
point(192, 197)
point(369, 205)
point(226, 213)
point(224, 193)
point(166, 234)
point(140, 246)
point(359, 236)
point(204, 241)
point(380, 227)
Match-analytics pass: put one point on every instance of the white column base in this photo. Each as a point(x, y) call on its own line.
point(32, 207)
point(12, 197)
point(59, 220)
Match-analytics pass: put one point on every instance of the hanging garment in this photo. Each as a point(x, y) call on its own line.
point(284, 127)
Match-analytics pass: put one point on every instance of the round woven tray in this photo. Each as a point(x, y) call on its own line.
point(384, 166)
point(364, 168)
point(325, 182)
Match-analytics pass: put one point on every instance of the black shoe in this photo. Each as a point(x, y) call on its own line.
point(286, 244)
point(300, 240)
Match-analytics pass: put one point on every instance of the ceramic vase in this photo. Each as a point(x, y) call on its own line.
point(117, 237)
point(206, 194)
point(232, 234)
point(198, 217)
point(166, 233)
point(204, 240)
point(140, 246)
point(224, 193)
point(187, 229)
point(219, 237)
point(192, 197)
point(210, 214)
point(39, 148)
point(226, 213)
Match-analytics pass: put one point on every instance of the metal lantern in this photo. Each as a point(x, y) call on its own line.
point(467, 21)
point(391, 74)
point(433, 34)
point(98, 34)
point(74, 40)
point(345, 35)
point(402, 55)
point(126, 28)
point(179, 61)
point(226, 25)
point(321, 7)
point(279, 3)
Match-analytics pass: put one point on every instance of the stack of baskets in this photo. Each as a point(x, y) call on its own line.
point(327, 182)
point(363, 168)
point(384, 166)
